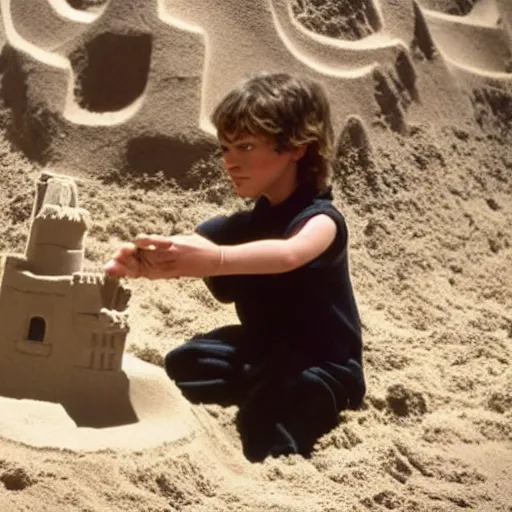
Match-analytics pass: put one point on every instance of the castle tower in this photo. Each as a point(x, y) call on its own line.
point(55, 245)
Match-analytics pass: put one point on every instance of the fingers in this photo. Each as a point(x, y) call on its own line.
point(150, 256)
point(124, 263)
point(115, 269)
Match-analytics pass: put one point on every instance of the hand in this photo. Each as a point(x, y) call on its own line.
point(178, 256)
point(133, 261)
point(125, 262)
point(158, 257)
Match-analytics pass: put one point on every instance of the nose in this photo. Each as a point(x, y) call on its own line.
point(230, 161)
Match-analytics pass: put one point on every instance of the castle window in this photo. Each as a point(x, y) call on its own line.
point(36, 329)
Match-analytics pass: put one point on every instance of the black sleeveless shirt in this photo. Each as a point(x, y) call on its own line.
point(311, 309)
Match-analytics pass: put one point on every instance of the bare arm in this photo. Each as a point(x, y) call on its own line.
point(195, 256)
point(277, 256)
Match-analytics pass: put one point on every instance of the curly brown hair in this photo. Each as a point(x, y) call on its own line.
point(290, 110)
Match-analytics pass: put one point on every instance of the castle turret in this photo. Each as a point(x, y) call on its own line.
point(55, 245)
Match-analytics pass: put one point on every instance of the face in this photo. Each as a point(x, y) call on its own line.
point(256, 168)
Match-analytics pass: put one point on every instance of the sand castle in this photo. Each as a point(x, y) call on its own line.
point(63, 330)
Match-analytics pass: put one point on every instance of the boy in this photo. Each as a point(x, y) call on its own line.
point(295, 360)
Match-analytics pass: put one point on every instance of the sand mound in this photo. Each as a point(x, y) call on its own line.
point(160, 417)
point(118, 93)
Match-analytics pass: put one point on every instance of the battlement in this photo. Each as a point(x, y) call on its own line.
point(64, 213)
point(88, 278)
point(95, 290)
point(62, 225)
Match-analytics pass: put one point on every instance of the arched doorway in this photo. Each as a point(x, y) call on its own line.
point(36, 329)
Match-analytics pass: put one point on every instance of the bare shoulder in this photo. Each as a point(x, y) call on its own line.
point(312, 237)
point(321, 224)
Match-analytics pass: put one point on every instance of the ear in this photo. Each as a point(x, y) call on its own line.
point(299, 152)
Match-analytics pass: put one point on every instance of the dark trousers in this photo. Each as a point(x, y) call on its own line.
point(285, 402)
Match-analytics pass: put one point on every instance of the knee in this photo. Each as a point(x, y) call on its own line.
point(179, 361)
point(175, 360)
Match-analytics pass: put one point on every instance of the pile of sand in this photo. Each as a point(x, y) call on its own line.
point(423, 113)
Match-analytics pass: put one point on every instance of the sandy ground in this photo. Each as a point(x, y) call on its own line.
point(424, 179)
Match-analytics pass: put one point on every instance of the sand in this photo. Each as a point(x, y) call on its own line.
point(117, 95)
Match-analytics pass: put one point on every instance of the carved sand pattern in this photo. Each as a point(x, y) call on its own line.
point(111, 71)
point(470, 34)
point(131, 78)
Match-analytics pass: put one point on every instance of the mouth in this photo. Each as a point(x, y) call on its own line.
point(239, 180)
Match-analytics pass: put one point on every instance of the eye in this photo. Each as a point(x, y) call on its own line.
point(246, 147)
